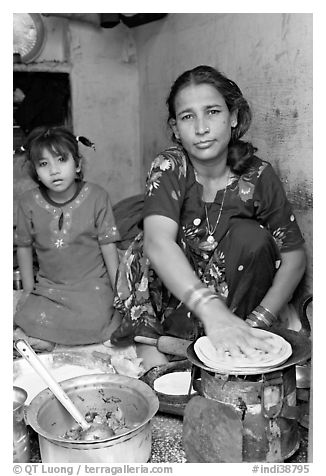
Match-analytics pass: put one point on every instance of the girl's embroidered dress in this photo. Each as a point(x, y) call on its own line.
point(72, 300)
point(257, 223)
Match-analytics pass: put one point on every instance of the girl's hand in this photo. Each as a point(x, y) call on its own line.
point(227, 332)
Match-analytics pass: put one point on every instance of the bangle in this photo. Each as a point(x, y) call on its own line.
point(198, 295)
point(268, 315)
point(188, 294)
point(206, 299)
point(261, 317)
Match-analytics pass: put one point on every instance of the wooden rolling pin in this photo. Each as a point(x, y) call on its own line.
point(166, 344)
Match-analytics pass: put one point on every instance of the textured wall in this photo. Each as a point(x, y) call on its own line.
point(104, 82)
point(270, 57)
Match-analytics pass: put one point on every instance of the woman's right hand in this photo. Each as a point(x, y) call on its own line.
point(227, 332)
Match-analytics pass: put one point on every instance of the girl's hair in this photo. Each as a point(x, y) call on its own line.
point(59, 141)
point(239, 152)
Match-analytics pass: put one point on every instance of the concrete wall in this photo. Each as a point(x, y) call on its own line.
point(270, 57)
point(104, 82)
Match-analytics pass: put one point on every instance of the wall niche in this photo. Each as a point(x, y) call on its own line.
point(39, 99)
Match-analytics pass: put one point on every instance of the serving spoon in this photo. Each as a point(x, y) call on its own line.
point(89, 431)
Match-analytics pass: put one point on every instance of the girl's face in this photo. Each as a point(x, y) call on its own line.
point(203, 122)
point(58, 174)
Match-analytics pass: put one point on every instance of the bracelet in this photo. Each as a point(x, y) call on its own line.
point(198, 295)
point(261, 316)
point(188, 294)
point(269, 316)
point(206, 299)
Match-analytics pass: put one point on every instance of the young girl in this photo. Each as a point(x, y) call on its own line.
point(69, 223)
point(222, 249)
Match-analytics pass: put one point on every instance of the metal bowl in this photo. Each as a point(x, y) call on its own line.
point(174, 404)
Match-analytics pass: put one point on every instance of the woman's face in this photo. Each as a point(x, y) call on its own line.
point(203, 122)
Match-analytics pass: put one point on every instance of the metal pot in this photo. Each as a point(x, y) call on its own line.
point(21, 446)
point(50, 420)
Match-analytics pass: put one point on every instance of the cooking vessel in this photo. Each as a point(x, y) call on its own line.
point(301, 352)
point(21, 446)
point(51, 420)
point(174, 404)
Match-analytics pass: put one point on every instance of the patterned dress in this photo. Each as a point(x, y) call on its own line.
point(72, 302)
point(256, 224)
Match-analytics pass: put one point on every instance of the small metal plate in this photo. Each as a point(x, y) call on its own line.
point(174, 404)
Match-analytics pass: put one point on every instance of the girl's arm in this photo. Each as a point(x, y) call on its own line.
point(225, 330)
point(111, 259)
point(286, 279)
point(25, 262)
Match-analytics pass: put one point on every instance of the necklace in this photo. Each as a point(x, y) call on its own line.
point(210, 243)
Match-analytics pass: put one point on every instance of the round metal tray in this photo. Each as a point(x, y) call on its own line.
point(301, 351)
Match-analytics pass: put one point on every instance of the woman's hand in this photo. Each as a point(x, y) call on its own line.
point(227, 332)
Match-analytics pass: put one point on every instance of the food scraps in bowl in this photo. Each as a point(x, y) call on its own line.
point(104, 424)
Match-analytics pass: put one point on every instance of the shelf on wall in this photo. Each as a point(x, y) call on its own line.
point(44, 66)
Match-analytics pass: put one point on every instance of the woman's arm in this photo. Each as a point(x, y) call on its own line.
point(111, 259)
point(286, 279)
point(25, 262)
point(225, 330)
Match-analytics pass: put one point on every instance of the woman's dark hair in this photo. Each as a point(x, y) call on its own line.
point(240, 152)
point(58, 140)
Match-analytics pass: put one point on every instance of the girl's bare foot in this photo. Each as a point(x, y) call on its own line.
point(37, 344)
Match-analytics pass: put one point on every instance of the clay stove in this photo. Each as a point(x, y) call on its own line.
point(245, 418)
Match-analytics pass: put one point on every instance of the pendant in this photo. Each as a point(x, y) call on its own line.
point(209, 245)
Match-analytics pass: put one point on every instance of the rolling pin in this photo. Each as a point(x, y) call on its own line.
point(166, 344)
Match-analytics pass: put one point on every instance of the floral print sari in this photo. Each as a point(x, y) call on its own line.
point(256, 225)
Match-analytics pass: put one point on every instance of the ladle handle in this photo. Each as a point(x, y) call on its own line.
point(28, 354)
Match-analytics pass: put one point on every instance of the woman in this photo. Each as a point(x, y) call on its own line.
point(222, 250)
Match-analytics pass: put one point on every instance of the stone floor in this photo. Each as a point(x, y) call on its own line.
point(167, 442)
